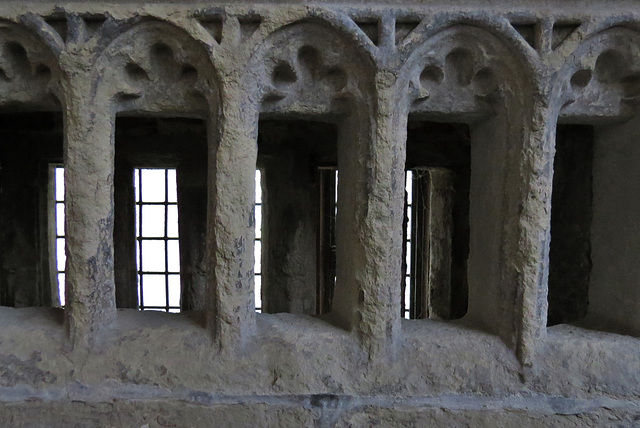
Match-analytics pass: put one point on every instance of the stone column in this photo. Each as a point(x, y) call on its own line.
point(532, 245)
point(88, 160)
point(232, 166)
point(510, 206)
point(369, 221)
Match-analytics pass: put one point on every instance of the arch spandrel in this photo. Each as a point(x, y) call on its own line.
point(28, 70)
point(601, 79)
point(309, 68)
point(464, 70)
point(157, 67)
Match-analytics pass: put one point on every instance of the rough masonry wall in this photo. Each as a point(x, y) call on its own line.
point(509, 72)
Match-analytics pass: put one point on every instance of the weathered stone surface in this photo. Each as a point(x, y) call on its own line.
point(510, 73)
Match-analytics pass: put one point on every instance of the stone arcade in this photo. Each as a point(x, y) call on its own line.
point(521, 121)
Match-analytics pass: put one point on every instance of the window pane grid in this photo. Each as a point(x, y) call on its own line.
point(257, 243)
point(60, 242)
point(406, 304)
point(328, 179)
point(156, 212)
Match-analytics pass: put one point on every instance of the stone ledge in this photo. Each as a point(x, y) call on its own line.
point(322, 411)
point(156, 353)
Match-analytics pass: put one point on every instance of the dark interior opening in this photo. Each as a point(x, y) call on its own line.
point(29, 144)
point(298, 164)
point(176, 143)
point(571, 214)
point(443, 148)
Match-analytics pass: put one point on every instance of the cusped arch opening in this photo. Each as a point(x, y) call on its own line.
point(31, 144)
point(315, 98)
point(160, 88)
point(592, 271)
point(466, 101)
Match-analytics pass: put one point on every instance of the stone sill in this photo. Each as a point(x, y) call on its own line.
point(299, 354)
